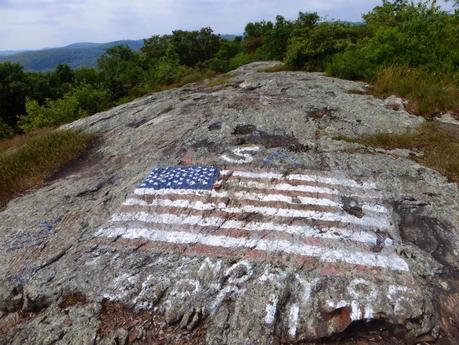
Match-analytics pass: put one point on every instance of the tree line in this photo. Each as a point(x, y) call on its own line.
point(407, 48)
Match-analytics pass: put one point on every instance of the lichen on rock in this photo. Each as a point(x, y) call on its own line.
point(300, 236)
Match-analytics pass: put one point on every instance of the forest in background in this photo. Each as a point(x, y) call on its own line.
point(403, 48)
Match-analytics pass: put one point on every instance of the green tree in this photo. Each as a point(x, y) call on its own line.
point(13, 91)
point(39, 87)
point(275, 44)
point(255, 35)
point(313, 52)
point(403, 33)
point(89, 76)
point(305, 22)
point(156, 46)
point(121, 71)
point(193, 47)
point(91, 99)
point(61, 80)
point(221, 61)
point(266, 40)
point(166, 70)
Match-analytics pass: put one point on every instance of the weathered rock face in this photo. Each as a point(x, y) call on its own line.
point(258, 225)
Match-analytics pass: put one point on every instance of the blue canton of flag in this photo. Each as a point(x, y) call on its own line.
point(193, 177)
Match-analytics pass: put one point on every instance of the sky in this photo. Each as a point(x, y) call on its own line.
point(35, 24)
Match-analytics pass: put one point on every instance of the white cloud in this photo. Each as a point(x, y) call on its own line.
point(30, 24)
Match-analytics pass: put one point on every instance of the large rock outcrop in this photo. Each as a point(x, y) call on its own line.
point(282, 234)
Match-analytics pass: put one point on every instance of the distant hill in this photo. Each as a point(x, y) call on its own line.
point(9, 52)
point(75, 55)
point(229, 37)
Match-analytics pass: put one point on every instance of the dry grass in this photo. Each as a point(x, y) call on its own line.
point(219, 80)
point(19, 140)
point(190, 78)
point(27, 160)
point(276, 68)
point(428, 93)
point(441, 149)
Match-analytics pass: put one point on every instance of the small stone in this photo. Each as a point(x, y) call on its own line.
point(444, 285)
point(10, 296)
point(394, 103)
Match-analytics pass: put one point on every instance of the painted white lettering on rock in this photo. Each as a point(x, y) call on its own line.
point(242, 153)
point(362, 289)
point(293, 320)
point(271, 309)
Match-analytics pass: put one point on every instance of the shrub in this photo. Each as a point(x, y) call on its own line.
point(241, 59)
point(53, 113)
point(312, 52)
point(91, 99)
point(166, 71)
point(215, 64)
point(350, 64)
point(402, 33)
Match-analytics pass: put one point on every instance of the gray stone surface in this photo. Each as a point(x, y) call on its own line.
point(52, 246)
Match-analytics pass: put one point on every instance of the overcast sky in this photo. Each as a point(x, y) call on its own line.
point(32, 24)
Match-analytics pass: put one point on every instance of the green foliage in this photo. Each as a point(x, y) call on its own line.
point(221, 61)
point(270, 41)
point(91, 99)
point(121, 71)
point(89, 76)
point(350, 64)
point(402, 33)
point(241, 59)
point(166, 70)
point(52, 113)
point(418, 36)
point(191, 47)
point(314, 51)
point(13, 90)
point(5, 130)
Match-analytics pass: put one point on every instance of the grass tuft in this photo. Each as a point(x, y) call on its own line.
point(220, 79)
point(441, 148)
point(26, 161)
point(428, 93)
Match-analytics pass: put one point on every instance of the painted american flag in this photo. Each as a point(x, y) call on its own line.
point(299, 214)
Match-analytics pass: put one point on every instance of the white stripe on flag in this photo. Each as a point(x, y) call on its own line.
point(284, 187)
point(333, 233)
point(341, 181)
point(239, 195)
point(324, 254)
point(255, 197)
point(379, 222)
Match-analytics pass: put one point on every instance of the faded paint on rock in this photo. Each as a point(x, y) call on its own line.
point(342, 268)
point(272, 136)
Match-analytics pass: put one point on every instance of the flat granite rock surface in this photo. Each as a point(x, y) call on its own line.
point(233, 214)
